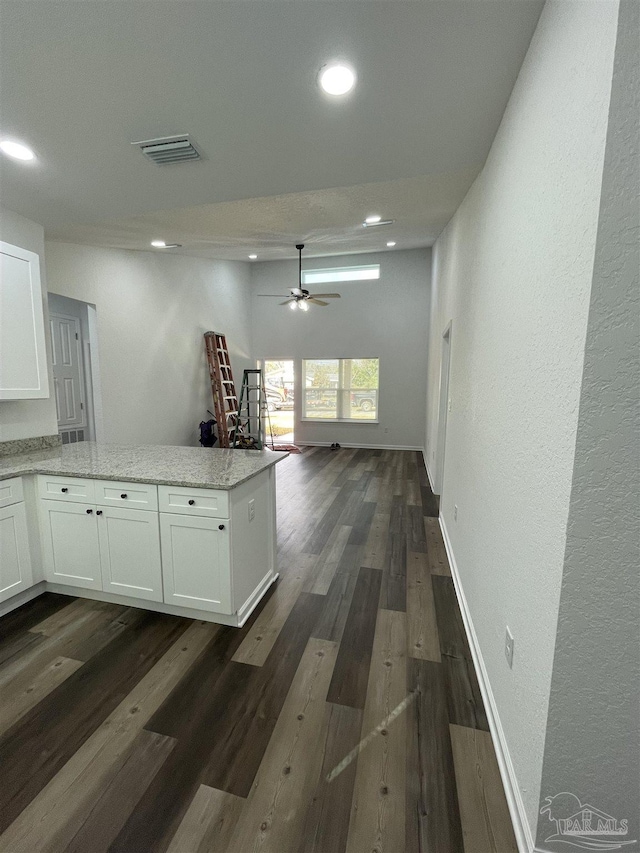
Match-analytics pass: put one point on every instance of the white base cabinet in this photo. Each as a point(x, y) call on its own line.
point(209, 553)
point(70, 546)
point(111, 549)
point(130, 552)
point(15, 558)
point(196, 562)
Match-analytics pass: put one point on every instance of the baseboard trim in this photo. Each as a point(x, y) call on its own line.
point(429, 475)
point(524, 837)
point(21, 598)
point(359, 446)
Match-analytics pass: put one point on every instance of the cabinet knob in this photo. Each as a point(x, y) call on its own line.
point(221, 527)
point(191, 503)
point(98, 512)
point(89, 512)
point(64, 490)
point(124, 495)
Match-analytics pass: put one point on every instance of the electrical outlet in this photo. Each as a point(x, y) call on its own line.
point(508, 647)
point(252, 509)
point(455, 512)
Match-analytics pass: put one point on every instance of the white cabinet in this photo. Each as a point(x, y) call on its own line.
point(130, 552)
point(70, 545)
point(111, 549)
point(23, 358)
point(15, 560)
point(196, 562)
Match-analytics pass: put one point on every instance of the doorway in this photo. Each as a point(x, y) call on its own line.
point(279, 385)
point(444, 407)
point(74, 361)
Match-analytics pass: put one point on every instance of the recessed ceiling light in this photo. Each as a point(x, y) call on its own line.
point(16, 150)
point(391, 244)
point(337, 78)
point(372, 220)
point(253, 257)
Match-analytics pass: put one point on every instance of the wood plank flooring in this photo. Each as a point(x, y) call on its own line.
point(344, 716)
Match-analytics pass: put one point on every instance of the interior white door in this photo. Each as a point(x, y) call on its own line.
point(68, 379)
point(196, 565)
point(130, 552)
point(15, 559)
point(70, 545)
point(23, 357)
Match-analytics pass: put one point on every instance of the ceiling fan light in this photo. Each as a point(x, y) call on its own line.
point(304, 306)
point(293, 305)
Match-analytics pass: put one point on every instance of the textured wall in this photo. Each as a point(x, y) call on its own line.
point(152, 310)
point(592, 747)
point(27, 418)
point(513, 272)
point(384, 318)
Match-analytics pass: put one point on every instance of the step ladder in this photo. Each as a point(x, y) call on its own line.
point(225, 399)
point(253, 412)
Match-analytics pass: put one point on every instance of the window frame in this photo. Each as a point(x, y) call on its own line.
point(338, 275)
point(341, 393)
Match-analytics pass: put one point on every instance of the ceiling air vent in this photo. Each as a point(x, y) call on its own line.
point(169, 149)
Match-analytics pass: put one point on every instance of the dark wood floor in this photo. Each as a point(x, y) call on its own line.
point(345, 716)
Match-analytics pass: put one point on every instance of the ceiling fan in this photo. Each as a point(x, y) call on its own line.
point(300, 298)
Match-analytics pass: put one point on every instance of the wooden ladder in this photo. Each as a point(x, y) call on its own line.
point(225, 399)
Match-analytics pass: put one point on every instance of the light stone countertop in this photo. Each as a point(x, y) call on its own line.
point(194, 467)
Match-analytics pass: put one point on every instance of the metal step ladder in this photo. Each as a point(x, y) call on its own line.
point(253, 412)
point(225, 399)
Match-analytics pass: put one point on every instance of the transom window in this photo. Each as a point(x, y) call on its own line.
point(337, 274)
point(340, 389)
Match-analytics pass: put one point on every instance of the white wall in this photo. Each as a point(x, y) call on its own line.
point(593, 730)
point(384, 319)
point(513, 272)
point(152, 311)
point(27, 418)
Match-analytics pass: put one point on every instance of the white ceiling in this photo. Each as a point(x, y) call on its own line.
point(79, 81)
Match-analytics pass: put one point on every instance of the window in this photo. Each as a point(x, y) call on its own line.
point(331, 276)
point(340, 389)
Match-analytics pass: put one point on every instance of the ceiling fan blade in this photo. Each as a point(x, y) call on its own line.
point(316, 301)
point(296, 291)
point(287, 301)
point(326, 295)
point(273, 295)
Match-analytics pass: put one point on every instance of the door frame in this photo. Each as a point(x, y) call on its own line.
point(444, 406)
point(261, 365)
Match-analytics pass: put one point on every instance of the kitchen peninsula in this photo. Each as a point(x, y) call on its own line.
point(181, 530)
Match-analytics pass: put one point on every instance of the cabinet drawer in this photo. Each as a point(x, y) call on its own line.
point(11, 491)
point(66, 489)
point(210, 503)
point(126, 495)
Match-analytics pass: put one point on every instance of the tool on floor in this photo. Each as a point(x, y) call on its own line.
point(225, 399)
point(253, 412)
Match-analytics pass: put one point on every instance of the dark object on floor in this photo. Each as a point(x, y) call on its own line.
point(207, 435)
point(335, 446)
point(289, 448)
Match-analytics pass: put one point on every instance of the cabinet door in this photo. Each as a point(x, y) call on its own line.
point(23, 359)
point(15, 560)
point(130, 552)
point(196, 566)
point(70, 548)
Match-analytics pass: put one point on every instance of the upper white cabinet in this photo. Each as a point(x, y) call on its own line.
point(23, 357)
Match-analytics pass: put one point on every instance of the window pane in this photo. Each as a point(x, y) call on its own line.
point(363, 404)
point(364, 372)
point(320, 403)
point(331, 276)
